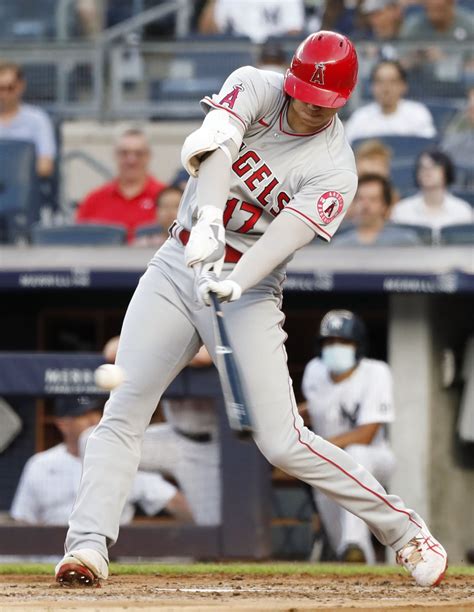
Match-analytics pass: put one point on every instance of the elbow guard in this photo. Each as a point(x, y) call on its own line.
point(216, 132)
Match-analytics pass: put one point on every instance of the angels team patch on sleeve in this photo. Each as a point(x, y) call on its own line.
point(330, 204)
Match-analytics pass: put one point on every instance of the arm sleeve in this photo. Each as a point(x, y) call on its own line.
point(25, 505)
point(284, 236)
point(377, 406)
point(323, 202)
point(152, 492)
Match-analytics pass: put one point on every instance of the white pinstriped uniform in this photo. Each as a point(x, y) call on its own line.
point(336, 408)
point(309, 176)
point(194, 465)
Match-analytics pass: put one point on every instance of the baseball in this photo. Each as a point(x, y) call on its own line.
point(108, 376)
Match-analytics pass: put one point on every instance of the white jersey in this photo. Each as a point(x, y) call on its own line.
point(191, 415)
point(311, 176)
point(50, 482)
point(410, 119)
point(336, 408)
point(414, 210)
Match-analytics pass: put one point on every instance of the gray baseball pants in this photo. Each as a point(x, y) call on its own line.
point(162, 330)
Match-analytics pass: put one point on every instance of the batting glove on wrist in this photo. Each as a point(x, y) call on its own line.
point(226, 290)
point(205, 250)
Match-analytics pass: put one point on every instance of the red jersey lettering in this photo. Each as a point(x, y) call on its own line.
point(241, 167)
point(282, 200)
point(261, 197)
point(255, 214)
point(260, 173)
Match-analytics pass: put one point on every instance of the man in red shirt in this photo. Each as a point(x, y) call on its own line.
point(130, 199)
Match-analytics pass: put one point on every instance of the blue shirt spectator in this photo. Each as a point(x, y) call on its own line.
point(24, 121)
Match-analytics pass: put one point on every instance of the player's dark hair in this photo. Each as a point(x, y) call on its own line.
point(384, 183)
point(395, 63)
point(440, 159)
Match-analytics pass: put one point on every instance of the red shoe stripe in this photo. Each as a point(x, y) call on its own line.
point(77, 568)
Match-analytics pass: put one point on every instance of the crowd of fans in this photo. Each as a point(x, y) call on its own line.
point(415, 190)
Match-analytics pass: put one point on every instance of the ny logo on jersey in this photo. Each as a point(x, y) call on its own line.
point(330, 204)
point(231, 97)
point(318, 74)
point(350, 417)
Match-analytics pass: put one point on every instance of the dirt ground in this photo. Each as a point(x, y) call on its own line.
point(236, 593)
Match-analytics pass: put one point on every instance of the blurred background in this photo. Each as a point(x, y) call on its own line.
point(96, 98)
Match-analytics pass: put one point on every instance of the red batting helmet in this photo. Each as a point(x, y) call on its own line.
point(323, 70)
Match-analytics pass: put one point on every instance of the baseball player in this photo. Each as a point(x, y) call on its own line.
point(271, 169)
point(349, 399)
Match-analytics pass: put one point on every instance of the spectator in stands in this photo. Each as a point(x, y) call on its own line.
point(374, 157)
point(130, 199)
point(458, 141)
point(272, 57)
point(257, 20)
point(186, 446)
point(167, 206)
point(372, 204)
point(90, 17)
point(23, 121)
point(384, 18)
point(349, 400)
point(433, 205)
point(441, 20)
point(50, 480)
point(390, 114)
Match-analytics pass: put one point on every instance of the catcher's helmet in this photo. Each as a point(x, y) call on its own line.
point(346, 325)
point(323, 70)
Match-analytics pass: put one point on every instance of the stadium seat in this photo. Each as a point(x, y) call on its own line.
point(81, 234)
point(402, 175)
point(442, 111)
point(464, 194)
point(150, 229)
point(19, 190)
point(462, 234)
point(178, 90)
point(424, 233)
point(403, 147)
point(200, 64)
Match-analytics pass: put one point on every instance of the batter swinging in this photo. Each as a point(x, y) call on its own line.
point(271, 169)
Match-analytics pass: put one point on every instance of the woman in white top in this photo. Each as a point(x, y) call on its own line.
point(433, 205)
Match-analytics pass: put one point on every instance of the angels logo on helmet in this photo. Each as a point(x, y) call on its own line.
point(318, 74)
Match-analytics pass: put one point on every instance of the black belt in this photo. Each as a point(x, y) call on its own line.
point(195, 437)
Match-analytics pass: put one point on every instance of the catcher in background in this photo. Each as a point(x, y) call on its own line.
point(349, 400)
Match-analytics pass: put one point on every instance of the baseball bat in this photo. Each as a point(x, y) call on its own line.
point(234, 397)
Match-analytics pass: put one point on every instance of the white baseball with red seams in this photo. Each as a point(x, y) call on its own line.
point(277, 173)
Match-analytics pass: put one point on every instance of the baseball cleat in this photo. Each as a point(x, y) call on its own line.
point(424, 558)
point(83, 567)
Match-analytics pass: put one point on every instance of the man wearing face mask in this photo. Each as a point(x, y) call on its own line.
point(349, 399)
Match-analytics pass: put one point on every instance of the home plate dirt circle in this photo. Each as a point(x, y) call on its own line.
point(289, 593)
